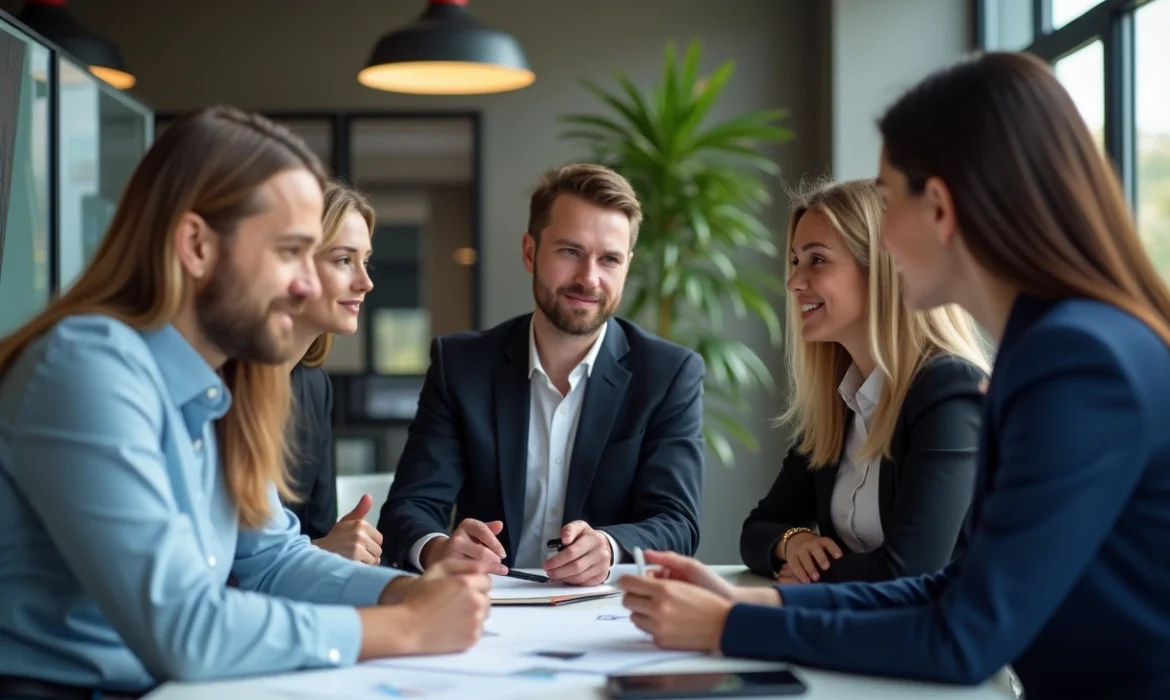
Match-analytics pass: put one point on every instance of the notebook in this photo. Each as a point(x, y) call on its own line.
point(511, 591)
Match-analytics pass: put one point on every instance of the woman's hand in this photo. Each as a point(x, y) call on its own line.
point(807, 555)
point(677, 614)
point(675, 567)
point(679, 568)
point(785, 577)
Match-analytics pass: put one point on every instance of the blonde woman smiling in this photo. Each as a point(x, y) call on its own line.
point(885, 402)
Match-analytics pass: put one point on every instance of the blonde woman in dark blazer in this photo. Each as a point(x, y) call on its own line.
point(886, 404)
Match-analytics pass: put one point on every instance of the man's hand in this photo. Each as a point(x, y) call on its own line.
point(449, 604)
point(678, 615)
point(472, 540)
point(441, 612)
point(586, 558)
point(353, 538)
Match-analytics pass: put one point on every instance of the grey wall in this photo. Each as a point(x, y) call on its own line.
point(881, 48)
point(305, 54)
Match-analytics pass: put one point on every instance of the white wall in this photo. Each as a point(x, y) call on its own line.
point(881, 48)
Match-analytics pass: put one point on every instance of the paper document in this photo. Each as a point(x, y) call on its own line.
point(521, 641)
point(370, 682)
point(513, 591)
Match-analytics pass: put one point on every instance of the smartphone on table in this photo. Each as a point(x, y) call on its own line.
point(718, 684)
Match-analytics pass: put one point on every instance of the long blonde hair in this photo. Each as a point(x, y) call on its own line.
point(212, 162)
point(900, 340)
point(340, 200)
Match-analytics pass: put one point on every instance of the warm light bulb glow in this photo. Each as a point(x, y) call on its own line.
point(121, 80)
point(466, 256)
point(445, 78)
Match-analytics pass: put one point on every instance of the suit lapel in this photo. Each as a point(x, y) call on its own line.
point(512, 399)
point(603, 395)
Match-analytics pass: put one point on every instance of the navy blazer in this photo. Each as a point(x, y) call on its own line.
point(924, 488)
point(637, 464)
point(1067, 574)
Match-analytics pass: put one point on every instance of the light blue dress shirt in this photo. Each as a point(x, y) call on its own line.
point(117, 531)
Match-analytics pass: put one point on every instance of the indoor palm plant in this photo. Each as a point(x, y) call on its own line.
point(699, 250)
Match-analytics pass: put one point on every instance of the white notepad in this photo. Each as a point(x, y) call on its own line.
point(513, 591)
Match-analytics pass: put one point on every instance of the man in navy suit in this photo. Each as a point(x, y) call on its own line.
point(565, 424)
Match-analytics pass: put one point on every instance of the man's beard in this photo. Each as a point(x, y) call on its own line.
point(225, 320)
point(572, 321)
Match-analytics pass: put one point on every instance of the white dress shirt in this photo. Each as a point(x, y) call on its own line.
point(854, 503)
point(552, 431)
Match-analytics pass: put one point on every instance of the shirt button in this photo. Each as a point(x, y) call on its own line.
point(334, 656)
point(558, 461)
point(198, 444)
point(561, 410)
point(211, 562)
point(212, 393)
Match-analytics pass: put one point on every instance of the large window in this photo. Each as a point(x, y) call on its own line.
point(1111, 55)
point(1082, 73)
point(1152, 98)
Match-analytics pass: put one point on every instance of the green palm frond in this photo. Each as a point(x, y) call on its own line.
point(702, 187)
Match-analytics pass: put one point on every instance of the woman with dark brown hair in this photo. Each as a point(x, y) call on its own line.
point(998, 200)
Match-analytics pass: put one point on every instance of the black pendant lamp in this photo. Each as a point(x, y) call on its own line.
point(49, 19)
point(447, 51)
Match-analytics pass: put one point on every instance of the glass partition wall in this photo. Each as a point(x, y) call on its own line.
point(68, 143)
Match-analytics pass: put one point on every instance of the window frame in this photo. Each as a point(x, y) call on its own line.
point(1111, 21)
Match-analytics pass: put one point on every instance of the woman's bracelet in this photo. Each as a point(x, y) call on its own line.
point(788, 534)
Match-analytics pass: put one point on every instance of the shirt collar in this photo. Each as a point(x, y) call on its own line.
point(187, 375)
point(587, 363)
point(861, 396)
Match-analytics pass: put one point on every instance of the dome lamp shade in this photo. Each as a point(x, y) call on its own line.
point(447, 51)
point(101, 56)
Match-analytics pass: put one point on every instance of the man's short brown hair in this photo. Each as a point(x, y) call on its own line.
point(595, 184)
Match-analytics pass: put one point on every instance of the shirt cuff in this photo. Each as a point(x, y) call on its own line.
point(416, 550)
point(339, 638)
point(365, 584)
point(613, 548)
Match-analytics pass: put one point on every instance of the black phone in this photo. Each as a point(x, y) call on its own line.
point(718, 684)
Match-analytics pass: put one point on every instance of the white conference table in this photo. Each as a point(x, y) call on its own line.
point(822, 685)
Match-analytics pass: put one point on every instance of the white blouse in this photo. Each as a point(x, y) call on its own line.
point(854, 503)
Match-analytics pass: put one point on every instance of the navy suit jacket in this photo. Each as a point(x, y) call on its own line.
point(637, 465)
point(1067, 574)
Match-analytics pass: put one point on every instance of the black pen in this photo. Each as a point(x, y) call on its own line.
point(535, 578)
